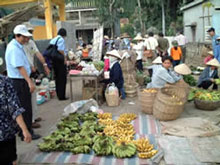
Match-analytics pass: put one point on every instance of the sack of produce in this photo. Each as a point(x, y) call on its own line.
point(112, 95)
point(207, 100)
point(146, 99)
point(167, 106)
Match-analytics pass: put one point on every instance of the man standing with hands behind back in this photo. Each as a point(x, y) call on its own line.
point(19, 71)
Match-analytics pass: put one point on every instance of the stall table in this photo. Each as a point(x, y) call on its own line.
point(84, 78)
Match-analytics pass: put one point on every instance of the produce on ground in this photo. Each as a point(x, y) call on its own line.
point(205, 95)
point(81, 133)
point(124, 150)
point(189, 79)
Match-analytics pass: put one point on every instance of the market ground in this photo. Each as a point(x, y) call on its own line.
point(51, 113)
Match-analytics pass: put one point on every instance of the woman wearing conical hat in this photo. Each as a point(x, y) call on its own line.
point(208, 76)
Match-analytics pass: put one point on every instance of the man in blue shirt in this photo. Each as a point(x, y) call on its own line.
point(19, 70)
point(214, 36)
point(218, 49)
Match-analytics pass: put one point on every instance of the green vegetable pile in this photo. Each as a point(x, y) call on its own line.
point(74, 134)
point(189, 79)
point(217, 81)
point(99, 65)
point(204, 95)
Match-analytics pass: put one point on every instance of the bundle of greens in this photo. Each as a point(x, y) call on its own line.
point(189, 79)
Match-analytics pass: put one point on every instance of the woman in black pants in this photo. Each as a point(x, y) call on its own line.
point(59, 66)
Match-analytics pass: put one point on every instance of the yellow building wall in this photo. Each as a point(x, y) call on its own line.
point(41, 34)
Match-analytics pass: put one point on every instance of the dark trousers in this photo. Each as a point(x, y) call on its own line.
point(140, 65)
point(8, 151)
point(23, 91)
point(183, 48)
point(207, 84)
point(60, 78)
point(176, 62)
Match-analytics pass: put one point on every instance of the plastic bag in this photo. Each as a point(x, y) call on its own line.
point(81, 107)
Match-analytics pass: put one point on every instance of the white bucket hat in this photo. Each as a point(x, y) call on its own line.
point(182, 69)
point(213, 62)
point(22, 29)
point(211, 53)
point(158, 60)
point(114, 53)
point(138, 38)
point(218, 38)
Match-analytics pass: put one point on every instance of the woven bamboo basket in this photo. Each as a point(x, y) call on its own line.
point(166, 107)
point(112, 100)
point(206, 105)
point(131, 89)
point(180, 89)
point(146, 101)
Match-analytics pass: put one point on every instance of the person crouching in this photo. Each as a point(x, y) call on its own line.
point(208, 76)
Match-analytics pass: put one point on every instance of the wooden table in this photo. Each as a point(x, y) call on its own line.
point(83, 78)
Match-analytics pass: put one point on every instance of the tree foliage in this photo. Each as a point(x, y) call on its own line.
point(110, 11)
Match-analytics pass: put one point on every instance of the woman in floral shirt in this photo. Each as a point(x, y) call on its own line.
point(10, 119)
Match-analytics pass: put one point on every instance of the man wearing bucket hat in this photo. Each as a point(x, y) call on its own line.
point(176, 53)
point(139, 48)
point(19, 70)
point(208, 76)
point(116, 75)
point(156, 65)
point(214, 36)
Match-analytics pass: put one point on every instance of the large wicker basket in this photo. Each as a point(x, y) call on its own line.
point(112, 100)
point(146, 100)
point(180, 89)
point(131, 89)
point(166, 107)
point(206, 105)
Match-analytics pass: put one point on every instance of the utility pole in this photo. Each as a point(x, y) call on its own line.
point(163, 18)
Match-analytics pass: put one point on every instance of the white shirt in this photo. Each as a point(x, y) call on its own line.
point(181, 39)
point(151, 43)
point(30, 50)
point(139, 49)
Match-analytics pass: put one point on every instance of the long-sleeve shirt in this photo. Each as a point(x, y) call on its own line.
point(217, 52)
point(10, 109)
point(214, 44)
point(116, 75)
point(206, 76)
point(163, 76)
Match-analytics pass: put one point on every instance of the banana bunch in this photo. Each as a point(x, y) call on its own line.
point(124, 150)
point(123, 139)
point(118, 130)
point(87, 131)
point(92, 116)
point(105, 116)
point(80, 140)
point(103, 145)
point(106, 122)
point(81, 149)
point(143, 145)
point(127, 117)
point(147, 155)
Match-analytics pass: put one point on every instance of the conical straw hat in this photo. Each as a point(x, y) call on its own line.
point(138, 38)
point(114, 53)
point(158, 60)
point(211, 53)
point(213, 62)
point(182, 69)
